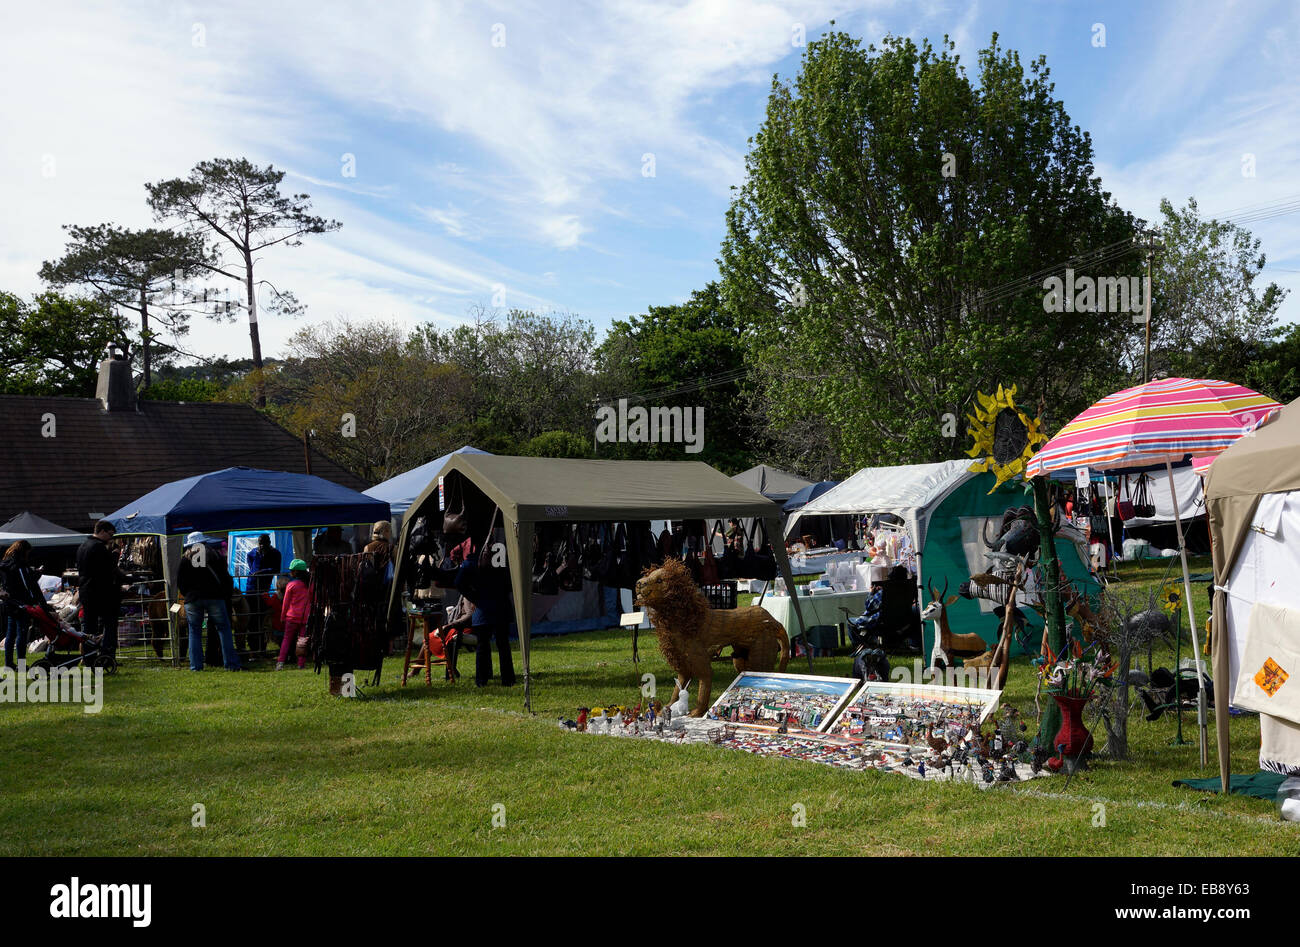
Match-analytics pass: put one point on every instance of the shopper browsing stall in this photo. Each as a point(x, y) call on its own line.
point(21, 592)
point(295, 608)
point(100, 583)
point(204, 580)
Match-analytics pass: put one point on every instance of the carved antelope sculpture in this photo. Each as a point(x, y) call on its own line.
point(947, 646)
point(972, 648)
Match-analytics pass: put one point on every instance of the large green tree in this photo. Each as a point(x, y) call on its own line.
point(54, 344)
point(1213, 316)
point(687, 355)
point(529, 373)
point(371, 399)
point(237, 208)
point(880, 246)
point(143, 271)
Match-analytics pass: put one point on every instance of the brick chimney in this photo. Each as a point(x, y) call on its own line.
point(116, 387)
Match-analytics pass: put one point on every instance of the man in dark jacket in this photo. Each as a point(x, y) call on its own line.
point(204, 579)
point(100, 583)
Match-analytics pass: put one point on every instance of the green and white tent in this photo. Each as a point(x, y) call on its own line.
point(945, 508)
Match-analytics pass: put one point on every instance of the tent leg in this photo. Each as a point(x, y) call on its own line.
point(783, 563)
point(1191, 619)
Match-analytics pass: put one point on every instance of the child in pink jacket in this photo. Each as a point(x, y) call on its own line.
point(294, 609)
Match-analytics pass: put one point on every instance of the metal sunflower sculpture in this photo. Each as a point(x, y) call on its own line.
point(1171, 599)
point(1005, 437)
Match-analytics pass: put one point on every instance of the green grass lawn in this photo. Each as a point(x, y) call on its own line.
point(281, 769)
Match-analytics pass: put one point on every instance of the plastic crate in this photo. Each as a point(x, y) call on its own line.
point(722, 595)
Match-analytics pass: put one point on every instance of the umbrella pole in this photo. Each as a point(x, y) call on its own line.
point(1191, 620)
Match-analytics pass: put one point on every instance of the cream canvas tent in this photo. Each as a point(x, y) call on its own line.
point(531, 490)
point(1253, 495)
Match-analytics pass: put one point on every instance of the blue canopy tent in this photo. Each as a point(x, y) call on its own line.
point(810, 492)
point(246, 498)
point(400, 492)
point(239, 499)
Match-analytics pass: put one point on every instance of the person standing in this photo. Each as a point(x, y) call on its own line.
point(21, 591)
point(263, 563)
point(100, 583)
point(294, 611)
point(489, 590)
point(332, 543)
point(204, 579)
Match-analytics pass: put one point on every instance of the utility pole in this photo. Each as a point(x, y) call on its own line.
point(306, 451)
point(1146, 319)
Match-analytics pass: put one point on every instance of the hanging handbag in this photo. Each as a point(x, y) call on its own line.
point(709, 566)
point(625, 571)
point(592, 554)
point(302, 647)
point(454, 521)
point(1143, 507)
point(1125, 507)
point(759, 563)
point(568, 570)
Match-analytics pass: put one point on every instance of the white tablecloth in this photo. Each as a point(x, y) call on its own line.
point(817, 609)
point(816, 565)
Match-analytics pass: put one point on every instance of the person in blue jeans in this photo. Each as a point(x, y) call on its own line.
point(204, 579)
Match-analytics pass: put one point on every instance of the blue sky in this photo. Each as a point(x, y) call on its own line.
point(515, 167)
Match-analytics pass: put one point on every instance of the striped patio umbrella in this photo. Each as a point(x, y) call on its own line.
point(1160, 422)
point(1163, 420)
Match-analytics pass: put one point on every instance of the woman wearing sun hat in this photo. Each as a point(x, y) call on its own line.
point(295, 606)
point(204, 579)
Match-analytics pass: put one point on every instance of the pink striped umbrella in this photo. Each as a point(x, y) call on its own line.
point(1160, 421)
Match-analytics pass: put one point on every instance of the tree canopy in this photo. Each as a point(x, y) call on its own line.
point(878, 246)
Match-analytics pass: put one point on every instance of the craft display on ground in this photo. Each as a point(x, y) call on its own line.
point(918, 730)
point(794, 703)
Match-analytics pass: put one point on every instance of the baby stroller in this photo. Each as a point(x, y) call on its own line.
point(79, 648)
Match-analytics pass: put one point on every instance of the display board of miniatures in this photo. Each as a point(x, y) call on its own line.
point(925, 731)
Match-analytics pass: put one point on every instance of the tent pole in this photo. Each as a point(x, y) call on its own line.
point(783, 561)
point(1191, 620)
point(519, 536)
point(1110, 526)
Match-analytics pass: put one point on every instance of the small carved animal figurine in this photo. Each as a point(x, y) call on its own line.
point(690, 632)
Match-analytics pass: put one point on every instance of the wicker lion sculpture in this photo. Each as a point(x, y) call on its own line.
point(690, 633)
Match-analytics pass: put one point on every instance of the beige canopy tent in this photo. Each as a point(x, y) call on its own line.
point(1252, 494)
point(530, 490)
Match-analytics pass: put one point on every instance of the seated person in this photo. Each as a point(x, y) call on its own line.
point(447, 640)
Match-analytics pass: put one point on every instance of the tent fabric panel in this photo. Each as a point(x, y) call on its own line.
point(772, 482)
point(1266, 460)
point(541, 489)
point(402, 490)
point(33, 525)
point(943, 556)
point(246, 498)
point(910, 491)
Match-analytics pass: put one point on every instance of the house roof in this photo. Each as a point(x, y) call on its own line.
point(64, 458)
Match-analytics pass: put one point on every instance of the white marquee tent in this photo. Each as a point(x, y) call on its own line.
point(912, 491)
